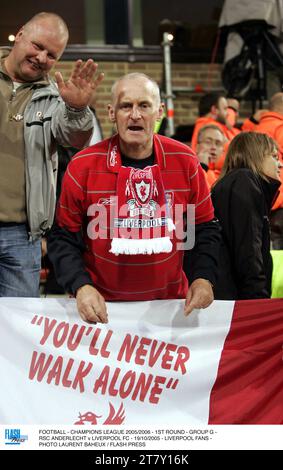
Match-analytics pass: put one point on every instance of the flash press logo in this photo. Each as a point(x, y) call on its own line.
point(14, 437)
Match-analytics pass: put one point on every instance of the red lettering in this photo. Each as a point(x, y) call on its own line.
point(182, 358)
point(167, 358)
point(103, 349)
point(154, 349)
point(80, 375)
point(102, 381)
point(92, 350)
point(48, 327)
point(142, 386)
point(125, 389)
point(104, 352)
point(55, 372)
point(39, 366)
point(141, 351)
point(73, 342)
point(62, 329)
point(112, 390)
point(127, 348)
point(153, 356)
point(129, 385)
point(65, 381)
point(156, 390)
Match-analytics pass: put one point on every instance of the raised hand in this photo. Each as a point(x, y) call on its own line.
point(78, 90)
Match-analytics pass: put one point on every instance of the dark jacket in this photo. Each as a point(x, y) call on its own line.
point(242, 203)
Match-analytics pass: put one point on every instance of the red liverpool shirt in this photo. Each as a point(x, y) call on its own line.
point(89, 184)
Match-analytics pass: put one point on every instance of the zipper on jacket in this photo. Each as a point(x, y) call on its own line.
point(13, 94)
point(14, 91)
point(17, 116)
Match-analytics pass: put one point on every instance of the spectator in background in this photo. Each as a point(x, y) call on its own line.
point(271, 123)
point(210, 146)
point(250, 124)
point(213, 110)
point(35, 116)
point(271, 120)
point(232, 112)
point(242, 199)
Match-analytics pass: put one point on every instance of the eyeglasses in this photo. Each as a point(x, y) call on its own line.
point(209, 141)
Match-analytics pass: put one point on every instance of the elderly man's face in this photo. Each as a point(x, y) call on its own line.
point(37, 48)
point(135, 109)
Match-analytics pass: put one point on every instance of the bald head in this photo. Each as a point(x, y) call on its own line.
point(136, 77)
point(52, 20)
point(276, 103)
point(135, 108)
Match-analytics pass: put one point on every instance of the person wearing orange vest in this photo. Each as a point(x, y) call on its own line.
point(271, 121)
point(213, 110)
point(210, 146)
point(251, 124)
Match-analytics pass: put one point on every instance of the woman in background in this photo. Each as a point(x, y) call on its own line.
point(242, 198)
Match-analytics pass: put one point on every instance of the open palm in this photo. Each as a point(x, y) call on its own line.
point(78, 90)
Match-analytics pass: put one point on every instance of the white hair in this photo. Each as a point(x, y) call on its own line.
point(136, 76)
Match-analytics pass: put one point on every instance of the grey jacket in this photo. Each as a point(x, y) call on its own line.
point(48, 121)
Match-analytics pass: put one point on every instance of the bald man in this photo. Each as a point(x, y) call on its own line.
point(271, 120)
point(147, 181)
point(35, 116)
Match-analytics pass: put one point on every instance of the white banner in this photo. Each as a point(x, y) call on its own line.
point(148, 365)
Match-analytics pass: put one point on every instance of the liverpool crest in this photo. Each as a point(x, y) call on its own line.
point(141, 187)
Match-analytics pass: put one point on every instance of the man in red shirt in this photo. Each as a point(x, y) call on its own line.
point(145, 182)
